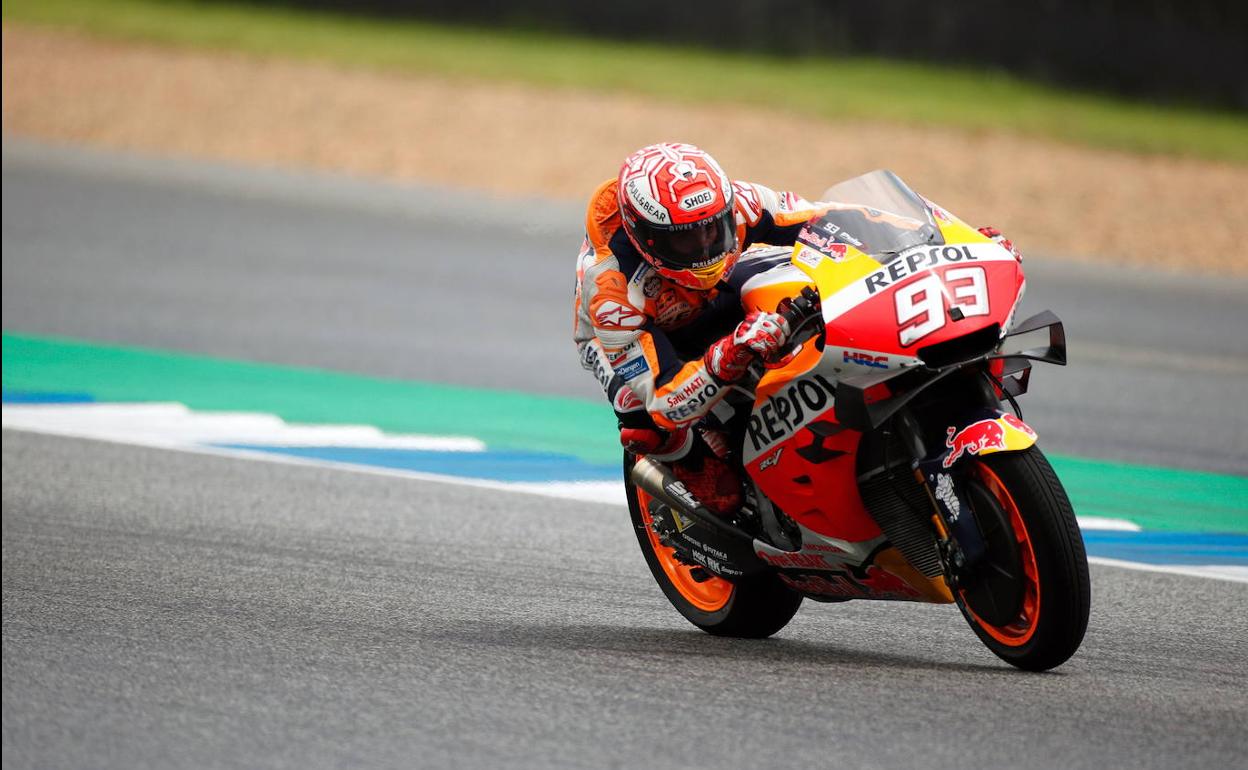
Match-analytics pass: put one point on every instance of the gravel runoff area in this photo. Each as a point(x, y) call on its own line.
point(512, 139)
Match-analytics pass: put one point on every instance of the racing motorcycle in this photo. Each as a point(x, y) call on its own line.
point(880, 460)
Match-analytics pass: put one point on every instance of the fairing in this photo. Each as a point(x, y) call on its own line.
point(896, 278)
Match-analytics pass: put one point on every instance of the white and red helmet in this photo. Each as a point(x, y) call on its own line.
point(677, 207)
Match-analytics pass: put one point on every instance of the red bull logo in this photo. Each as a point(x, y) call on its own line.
point(1019, 425)
point(987, 436)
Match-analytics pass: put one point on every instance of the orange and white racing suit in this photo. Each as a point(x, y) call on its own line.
point(643, 336)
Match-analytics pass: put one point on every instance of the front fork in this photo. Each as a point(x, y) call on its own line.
point(944, 470)
point(959, 538)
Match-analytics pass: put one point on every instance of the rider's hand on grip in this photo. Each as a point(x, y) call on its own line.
point(798, 311)
point(995, 236)
point(760, 335)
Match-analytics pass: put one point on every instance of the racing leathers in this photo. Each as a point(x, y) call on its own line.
point(646, 338)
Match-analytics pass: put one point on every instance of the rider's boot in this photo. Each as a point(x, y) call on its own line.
point(715, 482)
point(696, 460)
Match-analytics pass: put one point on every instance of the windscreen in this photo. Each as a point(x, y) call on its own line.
point(875, 213)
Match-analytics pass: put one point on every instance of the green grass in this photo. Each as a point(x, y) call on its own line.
point(855, 88)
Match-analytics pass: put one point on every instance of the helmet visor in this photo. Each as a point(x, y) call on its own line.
point(691, 247)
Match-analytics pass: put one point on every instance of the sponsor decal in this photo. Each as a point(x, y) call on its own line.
point(632, 369)
point(708, 262)
point(1019, 425)
point(985, 436)
point(807, 256)
point(714, 565)
point(809, 237)
point(705, 561)
point(839, 233)
point(626, 400)
point(976, 438)
point(690, 389)
point(864, 359)
point(945, 494)
point(673, 311)
point(851, 240)
point(678, 490)
point(823, 238)
point(800, 560)
point(913, 262)
point(707, 555)
point(883, 583)
point(651, 285)
point(788, 410)
point(592, 359)
point(681, 521)
point(697, 200)
point(644, 203)
point(826, 235)
point(748, 203)
point(713, 551)
point(937, 211)
point(771, 461)
point(875, 583)
point(692, 400)
point(612, 314)
point(824, 585)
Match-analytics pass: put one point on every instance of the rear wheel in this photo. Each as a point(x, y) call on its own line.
point(1029, 599)
point(752, 608)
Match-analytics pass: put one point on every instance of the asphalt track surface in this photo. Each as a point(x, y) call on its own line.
point(173, 610)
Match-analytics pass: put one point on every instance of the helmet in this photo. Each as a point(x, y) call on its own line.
point(677, 207)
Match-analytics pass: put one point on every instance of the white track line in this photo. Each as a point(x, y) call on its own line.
point(174, 425)
point(1220, 572)
point(1106, 523)
point(595, 492)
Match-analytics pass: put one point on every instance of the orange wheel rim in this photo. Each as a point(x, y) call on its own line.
point(1019, 631)
point(709, 595)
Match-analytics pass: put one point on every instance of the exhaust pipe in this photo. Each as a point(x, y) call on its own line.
point(658, 481)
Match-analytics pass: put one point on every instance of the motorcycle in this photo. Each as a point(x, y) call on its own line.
point(880, 460)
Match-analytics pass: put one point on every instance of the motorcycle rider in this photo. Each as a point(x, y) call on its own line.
point(658, 316)
point(657, 319)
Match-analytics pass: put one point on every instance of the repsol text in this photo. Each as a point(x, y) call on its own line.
point(911, 263)
point(789, 410)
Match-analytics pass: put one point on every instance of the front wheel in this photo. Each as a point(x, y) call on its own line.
point(752, 608)
point(1028, 600)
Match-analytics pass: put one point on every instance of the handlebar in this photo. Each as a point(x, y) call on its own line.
point(799, 312)
point(802, 308)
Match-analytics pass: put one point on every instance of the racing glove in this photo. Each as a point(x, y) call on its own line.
point(659, 444)
point(995, 236)
point(759, 335)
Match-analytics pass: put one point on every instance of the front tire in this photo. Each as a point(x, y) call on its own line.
point(751, 608)
point(1029, 600)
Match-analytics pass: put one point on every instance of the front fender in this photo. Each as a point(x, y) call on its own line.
point(980, 432)
point(984, 432)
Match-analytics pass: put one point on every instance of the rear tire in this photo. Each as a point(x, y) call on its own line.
point(1031, 599)
point(751, 608)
